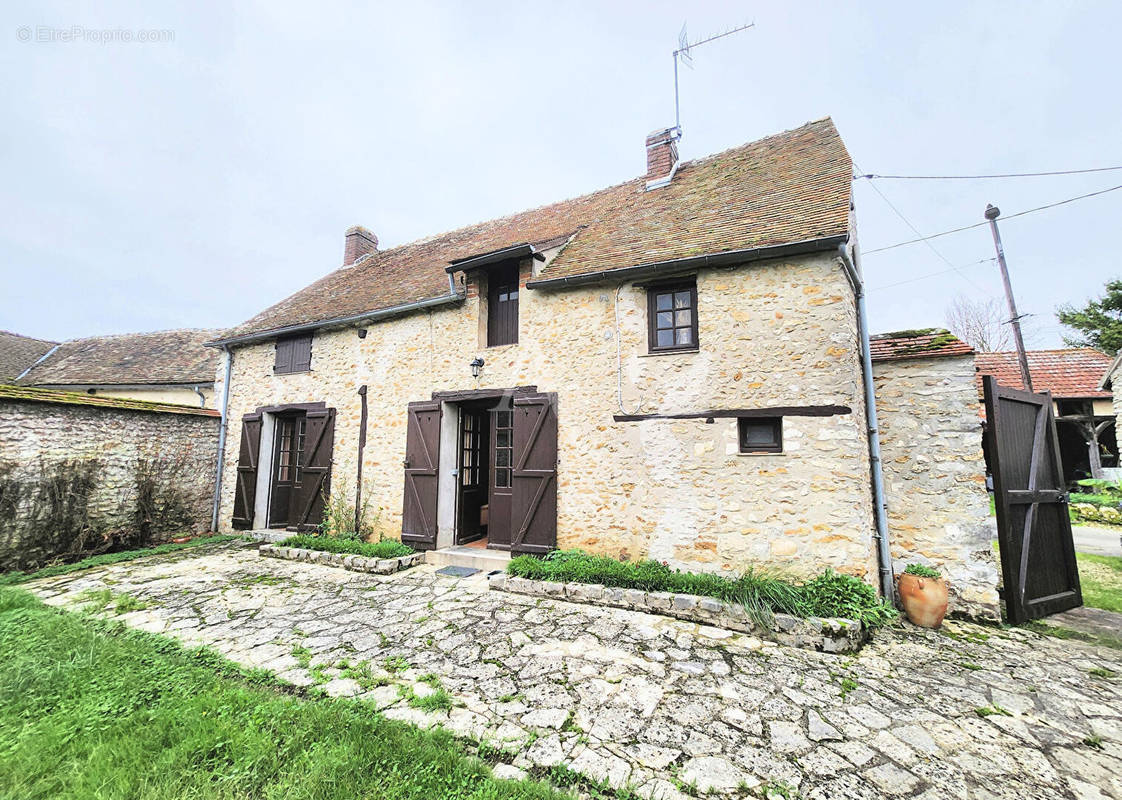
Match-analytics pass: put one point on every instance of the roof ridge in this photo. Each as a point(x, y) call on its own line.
point(207, 331)
point(25, 336)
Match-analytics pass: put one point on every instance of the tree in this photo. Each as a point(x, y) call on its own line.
point(1099, 322)
point(980, 323)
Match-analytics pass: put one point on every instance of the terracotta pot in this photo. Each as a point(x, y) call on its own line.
point(924, 599)
point(181, 539)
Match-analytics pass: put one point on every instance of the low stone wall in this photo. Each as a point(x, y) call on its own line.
point(812, 633)
point(82, 474)
point(355, 563)
point(934, 475)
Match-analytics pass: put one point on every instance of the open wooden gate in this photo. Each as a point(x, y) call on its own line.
point(1033, 526)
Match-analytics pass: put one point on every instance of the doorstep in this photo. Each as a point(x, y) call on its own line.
point(474, 557)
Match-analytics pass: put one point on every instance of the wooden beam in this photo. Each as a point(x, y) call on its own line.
point(775, 411)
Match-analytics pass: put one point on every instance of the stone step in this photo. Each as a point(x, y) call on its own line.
point(474, 557)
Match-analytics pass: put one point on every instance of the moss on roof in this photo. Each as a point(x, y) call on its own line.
point(36, 395)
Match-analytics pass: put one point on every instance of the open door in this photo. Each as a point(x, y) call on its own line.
point(534, 476)
point(313, 464)
point(422, 457)
point(245, 492)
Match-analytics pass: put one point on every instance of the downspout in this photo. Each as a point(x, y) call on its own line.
point(228, 356)
point(884, 554)
point(202, 397)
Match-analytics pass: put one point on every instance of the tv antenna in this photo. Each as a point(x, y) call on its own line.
point(684, 55)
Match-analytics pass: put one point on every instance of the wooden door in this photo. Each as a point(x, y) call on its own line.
point(422, 458)
point(1033, 527)
point(287, 440)
point(245, 491)
point(534, 476)
point(315, 452)
point(501, 472)
point(472, 473)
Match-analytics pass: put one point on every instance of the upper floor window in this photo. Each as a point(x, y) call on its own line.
point(672, 316)
point(294, 354)
point(502, 305)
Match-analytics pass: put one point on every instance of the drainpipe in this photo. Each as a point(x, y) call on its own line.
point(228, 357)
point(884, 554)
point(202, 397)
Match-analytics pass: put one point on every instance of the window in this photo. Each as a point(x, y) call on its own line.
point(504, 448)
point(760, 434)
point(672, 317)
point(502, 306)
point(294, 354)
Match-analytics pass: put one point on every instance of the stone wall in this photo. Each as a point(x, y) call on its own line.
point(779, 333)
point(934, 473)
point(81, 478)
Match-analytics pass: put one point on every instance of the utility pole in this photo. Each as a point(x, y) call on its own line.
point(992, 213)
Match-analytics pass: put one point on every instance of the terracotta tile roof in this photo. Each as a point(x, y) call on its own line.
point(925, 343)
point(1073, 372)
point(159, 357)
point(791, 187)
point(17, 353)
point(37, 395)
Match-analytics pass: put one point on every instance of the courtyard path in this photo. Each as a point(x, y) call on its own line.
point(659, 705)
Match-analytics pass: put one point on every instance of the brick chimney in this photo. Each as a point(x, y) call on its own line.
point(662, 157)
point(358, 242)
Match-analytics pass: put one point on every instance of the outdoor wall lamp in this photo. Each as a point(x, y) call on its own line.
point(476, 367)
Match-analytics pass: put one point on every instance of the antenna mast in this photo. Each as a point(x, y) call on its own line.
point(683, 54)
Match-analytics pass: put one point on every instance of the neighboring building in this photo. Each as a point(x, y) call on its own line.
point(159, 367)
point(1083, 408)
point(668, 368)
point(18, 353)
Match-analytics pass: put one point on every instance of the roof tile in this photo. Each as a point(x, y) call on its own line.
point(1070, 373)
point(926, 343)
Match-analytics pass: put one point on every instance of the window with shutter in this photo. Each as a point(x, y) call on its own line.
point(294, 354)
point(502, 305)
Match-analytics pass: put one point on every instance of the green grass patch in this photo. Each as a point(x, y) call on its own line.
point(828, 595)
point(387, 548)
point(1060, 632)
point(1100, 577)
point(11, 578)
point(989, 711)
point(91, 708)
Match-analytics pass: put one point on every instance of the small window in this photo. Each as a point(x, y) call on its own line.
point(294, 354)
point(760, 434)
point(502, 306)
point(672, 317)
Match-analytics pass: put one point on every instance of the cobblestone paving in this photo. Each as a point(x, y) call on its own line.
point(658, 705)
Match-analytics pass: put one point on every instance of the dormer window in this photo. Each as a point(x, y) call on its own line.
point(502, 305)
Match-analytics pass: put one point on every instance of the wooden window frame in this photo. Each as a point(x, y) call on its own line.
point(496, 335)
point(741, 431)
point(293, 354)
point(653, 291)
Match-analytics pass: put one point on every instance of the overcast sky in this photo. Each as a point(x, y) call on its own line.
point(193, 182)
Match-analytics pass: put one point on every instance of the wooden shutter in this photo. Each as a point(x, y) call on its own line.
point(502, 306)
point(245, 491)
point(534, 501)
point(302, 353)
point(315, 474)
point(283, 359)
point(422, 457)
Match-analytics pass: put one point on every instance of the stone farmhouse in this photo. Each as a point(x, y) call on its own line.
point(676, 367)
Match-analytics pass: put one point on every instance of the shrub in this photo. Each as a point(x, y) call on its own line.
point(1093, 513)
point(387, 548)
point(339, 517)
point(921, 571)
point(829, 595)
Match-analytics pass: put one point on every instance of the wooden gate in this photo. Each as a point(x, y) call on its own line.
point(1033, 527)
point(422, 457)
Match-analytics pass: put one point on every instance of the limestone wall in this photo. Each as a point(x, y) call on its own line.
point(76, 479)
point(779, 333)
point(931, 444)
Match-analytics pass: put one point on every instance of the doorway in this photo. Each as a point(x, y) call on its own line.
point(290, 434)
point(483, 469)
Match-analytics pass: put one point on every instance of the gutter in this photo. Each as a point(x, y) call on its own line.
point(228, 356)
point(353, 319)
point(495, 257)
point(880, 509)
point(820, 245)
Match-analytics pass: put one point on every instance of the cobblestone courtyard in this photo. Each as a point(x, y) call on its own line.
point(655, 704)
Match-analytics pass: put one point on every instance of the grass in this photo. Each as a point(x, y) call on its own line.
point(11, 578)
point(91, 708)
point(1101, 580)
point(387, 548)
point(989, 711)
point(1060, 632)
point(828, 595)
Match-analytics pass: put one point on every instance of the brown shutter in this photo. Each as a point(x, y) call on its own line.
point(302, 353)
point(315, 474)
point(245, 491)
point(534, 501)
point(283, 359)
point(422, 457)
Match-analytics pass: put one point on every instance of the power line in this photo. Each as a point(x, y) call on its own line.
point(980, 224)
point(930, 246)
point(875, 176)
point(928, 275)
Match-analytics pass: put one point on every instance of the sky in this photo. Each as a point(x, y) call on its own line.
point(195, 179)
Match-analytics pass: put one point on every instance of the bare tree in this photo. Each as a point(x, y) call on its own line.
point(980, 323)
